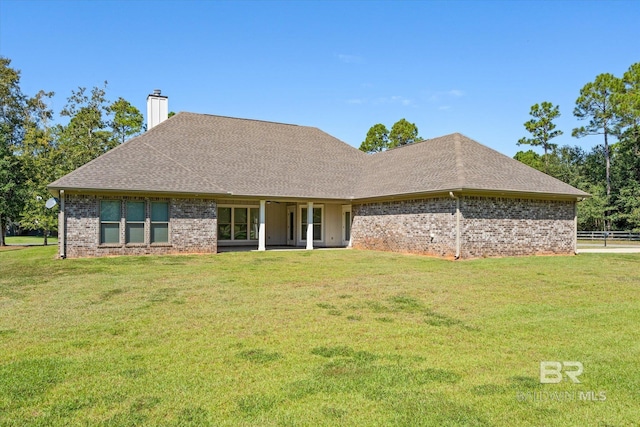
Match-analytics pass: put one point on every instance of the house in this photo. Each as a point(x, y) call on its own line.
point(194, 183)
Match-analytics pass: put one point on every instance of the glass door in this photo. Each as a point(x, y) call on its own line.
point(291, 225)
point(346, 225)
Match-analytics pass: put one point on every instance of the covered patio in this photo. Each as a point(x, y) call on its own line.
point(276, 224)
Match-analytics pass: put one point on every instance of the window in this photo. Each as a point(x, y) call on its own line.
point(238, 223)
point(224, 224)
point(159, 222)
point(110, 221)
point(317, 223)
point(347, 226)
point(135, 222)
point(254, 223)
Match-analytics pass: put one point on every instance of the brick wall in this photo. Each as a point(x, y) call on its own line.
point(488, 226)
point(192, 227)
point(423, 226)
point(506, 226)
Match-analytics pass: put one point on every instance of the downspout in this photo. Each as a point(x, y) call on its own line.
point(575, 226)
point(62, 232)
point(457, 223)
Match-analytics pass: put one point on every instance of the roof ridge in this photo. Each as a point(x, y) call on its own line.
point(397, 147)
point(245, 119)
point(459, 162)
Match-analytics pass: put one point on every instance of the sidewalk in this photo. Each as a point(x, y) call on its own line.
point(609, 250)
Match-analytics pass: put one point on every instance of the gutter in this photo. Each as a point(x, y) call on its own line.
point(55, 191)
point(62, 233)
point(453, 196)
point(575, 224)
point(473, 192)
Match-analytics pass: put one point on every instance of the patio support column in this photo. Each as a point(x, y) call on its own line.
point(309, 225)
point(261, 230)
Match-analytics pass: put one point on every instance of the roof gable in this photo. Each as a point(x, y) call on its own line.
point(452, 163)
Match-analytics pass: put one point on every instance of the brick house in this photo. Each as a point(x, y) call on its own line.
point(195, 183)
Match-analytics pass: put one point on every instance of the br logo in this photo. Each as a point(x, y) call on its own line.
point(552, 372)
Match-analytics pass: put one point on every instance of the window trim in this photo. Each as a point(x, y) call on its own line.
point(122, 223)
point(300, 227)
point(233, 219)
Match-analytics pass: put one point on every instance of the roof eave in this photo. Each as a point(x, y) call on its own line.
point(463, 191)
point(120, 191)
point(55, 190)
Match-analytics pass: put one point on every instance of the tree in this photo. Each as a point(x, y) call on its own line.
point(377, 139)
point(630, 100)
point(39, 159)
point(542, 128)
point(403, 133)
point(591, 211)
point(12, 192)
point(598, 102)
point(627, 215)
point(530, 158)
point(12, 104)
point(86, 136)
point(380, 139)
point(567, 165)
point(630, 111)
point(127, 120)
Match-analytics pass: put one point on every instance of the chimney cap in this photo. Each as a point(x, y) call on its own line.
point(157, 92)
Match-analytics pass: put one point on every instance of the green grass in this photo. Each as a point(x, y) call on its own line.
point(316, 338)
point(30, 240)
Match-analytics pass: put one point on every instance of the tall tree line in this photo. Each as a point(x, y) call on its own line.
point(610, 171)
point(34, 151)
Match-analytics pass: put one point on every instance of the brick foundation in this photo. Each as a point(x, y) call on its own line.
point(192, 228)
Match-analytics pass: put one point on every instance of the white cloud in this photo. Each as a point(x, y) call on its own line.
point(394, 100)
point(453, 93)
point(444, 107)
point(383, 100)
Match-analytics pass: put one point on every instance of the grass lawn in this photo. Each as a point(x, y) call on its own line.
point(317, 338)
point(30, 240)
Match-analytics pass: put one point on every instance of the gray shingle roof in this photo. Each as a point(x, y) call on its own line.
point(454, 162)
point(205, 154)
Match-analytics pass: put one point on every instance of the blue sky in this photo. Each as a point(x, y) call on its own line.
point(474, 67)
